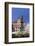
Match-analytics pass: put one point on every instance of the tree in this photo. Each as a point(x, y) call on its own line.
point(22, 27)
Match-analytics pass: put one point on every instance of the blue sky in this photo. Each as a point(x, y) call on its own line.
point(16, 12)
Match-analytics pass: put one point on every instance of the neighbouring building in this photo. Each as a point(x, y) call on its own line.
point(18, 24)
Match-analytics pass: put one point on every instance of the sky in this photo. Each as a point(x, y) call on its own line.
point(16, 12)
